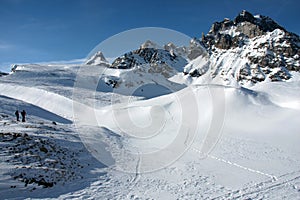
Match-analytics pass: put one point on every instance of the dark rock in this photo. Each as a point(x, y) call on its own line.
point(144, 56)
point(223, 41)
point(280, 75)
point(125, 62)
point(245, 23)
point(43, 149)
point(216, 27)
point(112, 83)
point(249, 29)
point(276, 56)
point(244, 16)
point(3, 74)
point(195, 73)
point(244, 72)
point(268, 25)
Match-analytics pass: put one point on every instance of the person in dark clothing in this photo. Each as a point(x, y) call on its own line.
point(23, 113)
point(17, 115)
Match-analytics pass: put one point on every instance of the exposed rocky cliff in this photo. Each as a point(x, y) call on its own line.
point(250, 49)
point(151, 56)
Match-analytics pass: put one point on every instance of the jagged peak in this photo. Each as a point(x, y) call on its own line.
point(96, 59)
point(263, 23)
point(170, 46)
point(150, 44)
point(195, 42)
point(244, 13)
point(244, 16)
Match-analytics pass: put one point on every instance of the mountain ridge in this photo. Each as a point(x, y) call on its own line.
point(264, 50)
point(244, 51)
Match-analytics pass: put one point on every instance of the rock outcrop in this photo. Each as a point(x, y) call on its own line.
point(263, 49)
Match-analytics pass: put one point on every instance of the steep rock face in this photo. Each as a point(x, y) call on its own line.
point(245, 24)
point(249, 49)
point(155, 58)
point(148, 67)
point(194, 50)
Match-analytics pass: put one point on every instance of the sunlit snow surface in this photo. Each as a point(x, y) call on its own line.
point(103, 136)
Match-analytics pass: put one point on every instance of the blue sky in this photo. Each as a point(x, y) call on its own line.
point(52, 30)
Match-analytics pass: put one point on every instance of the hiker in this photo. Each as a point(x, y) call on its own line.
point(17, 115)
point(23, 113)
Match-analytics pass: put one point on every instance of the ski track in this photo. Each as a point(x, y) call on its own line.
point(262, 189)
point(137, 171)
point(267, 188)
point(240, 166)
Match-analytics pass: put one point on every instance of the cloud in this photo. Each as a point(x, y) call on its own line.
point(72, 61)
point(5, 46)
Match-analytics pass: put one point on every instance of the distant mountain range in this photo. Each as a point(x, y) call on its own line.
point(244, 51)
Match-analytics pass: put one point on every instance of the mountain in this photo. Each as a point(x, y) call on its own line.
point(194, 50)
point(97, 59)
point(89, 135)
point(150, 54)
point(248, 50)
point(150, 44)
point(240, 52)
point(145, 71)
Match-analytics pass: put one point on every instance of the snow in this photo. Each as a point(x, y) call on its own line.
point(231, 31)
point(225, 65)
point(150, 44)
point(196, 142)
point(97, 59)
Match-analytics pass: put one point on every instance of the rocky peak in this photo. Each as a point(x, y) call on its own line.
point(150, 44)
point(149, 56)
point(227, 33)
point(97, 59)
point(196, 49)
point(244, 16)
point(230, 34)
point(250, 49)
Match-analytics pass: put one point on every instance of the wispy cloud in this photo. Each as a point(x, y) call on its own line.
point(73, 61)
point(4, 46)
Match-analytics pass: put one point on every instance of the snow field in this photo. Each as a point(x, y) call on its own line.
point(169, 146)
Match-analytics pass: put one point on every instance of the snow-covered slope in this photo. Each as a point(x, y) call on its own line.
point(254, 154)
point(194, 134)
point(43, 153)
